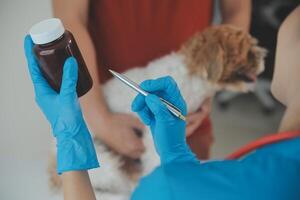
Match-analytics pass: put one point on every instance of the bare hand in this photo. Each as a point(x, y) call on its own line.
point(120, 132)
point(194, 120)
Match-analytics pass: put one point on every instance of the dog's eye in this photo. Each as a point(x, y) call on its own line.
point(238, 74)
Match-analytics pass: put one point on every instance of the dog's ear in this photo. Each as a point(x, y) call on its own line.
point(211, 60)
point(204, 56)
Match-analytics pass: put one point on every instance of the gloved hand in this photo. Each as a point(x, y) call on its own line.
point(167, 130)
point(75, 149)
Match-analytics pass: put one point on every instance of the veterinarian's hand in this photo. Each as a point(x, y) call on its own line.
point(194, 120)
point(75, 149)
point(122, 133)
point(168, 131)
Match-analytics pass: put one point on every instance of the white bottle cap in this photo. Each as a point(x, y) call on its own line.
point(46, 31)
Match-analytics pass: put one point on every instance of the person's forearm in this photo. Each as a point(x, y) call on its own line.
point(94, 98)
point(285, 85)
point(76, 22)
point(236, 12)
point(78, 181)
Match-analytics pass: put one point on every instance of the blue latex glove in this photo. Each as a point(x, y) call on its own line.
point(75, 149)
point(168, 131)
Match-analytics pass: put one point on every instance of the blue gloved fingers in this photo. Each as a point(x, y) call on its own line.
point(41, 86)
point(158, 109)
point(166, 84)
point(69, 80)
point(166, 88)
point(146, 115)
point(139, 105)
point(167, 130)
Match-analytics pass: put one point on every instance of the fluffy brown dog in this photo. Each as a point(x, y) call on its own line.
point(224, 55)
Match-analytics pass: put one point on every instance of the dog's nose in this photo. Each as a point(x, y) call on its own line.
point(251, 77)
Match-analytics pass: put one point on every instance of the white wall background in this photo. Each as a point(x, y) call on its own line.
point(25, 134)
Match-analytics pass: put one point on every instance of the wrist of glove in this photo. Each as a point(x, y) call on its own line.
point(75, 150)
point(171, 146)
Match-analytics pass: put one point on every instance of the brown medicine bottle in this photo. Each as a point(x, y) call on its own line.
point(53, 45)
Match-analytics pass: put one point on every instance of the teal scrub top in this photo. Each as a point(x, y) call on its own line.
point(271, 172)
